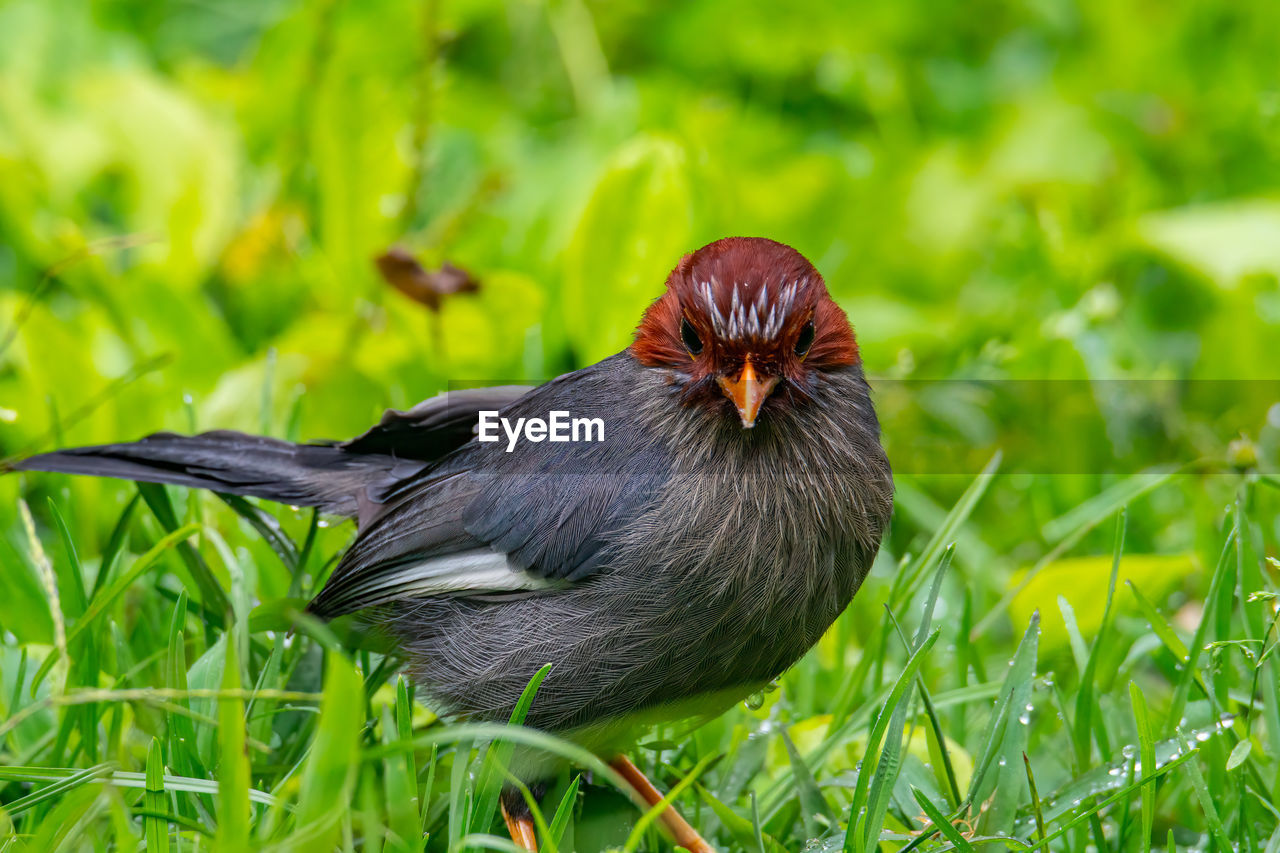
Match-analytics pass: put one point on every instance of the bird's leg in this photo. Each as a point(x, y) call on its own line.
point(521, 827)
point(643, 791)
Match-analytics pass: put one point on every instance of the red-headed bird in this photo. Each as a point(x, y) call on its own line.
point(728, 516)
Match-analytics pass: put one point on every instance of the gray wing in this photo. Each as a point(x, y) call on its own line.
point(487, 521)
point(435, 426)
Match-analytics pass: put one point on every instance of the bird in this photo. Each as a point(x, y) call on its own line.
point(728, 514)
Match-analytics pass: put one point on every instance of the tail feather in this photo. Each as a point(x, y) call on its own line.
point(323, 476)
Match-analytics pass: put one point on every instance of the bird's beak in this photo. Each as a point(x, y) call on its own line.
point(748, 392)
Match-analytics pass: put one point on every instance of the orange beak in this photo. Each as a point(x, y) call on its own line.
point(748, 393)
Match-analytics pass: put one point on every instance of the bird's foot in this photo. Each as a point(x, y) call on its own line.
point(644, 792)
point(521, 829)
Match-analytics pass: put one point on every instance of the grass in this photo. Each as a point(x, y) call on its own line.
point(1052, 225)
point(159, 715)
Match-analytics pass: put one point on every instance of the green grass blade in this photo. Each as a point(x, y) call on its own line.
point(233, 761)
point(157, 829)
point(268, 527)
point(211, 594)
point(107, 598)
point(1147, 759)
point(330, 772)
point(940, 822)
point(744, 830)
point(1190, 672)
point(1203, 796)
point(493, 771)
point(998, 781)
point(1035, 797)
point(1085, 699)
point(813, 803)
point(1072, 527)
point(655, 811)
point(115, 545)
point(560, 820)
point(906, 582)
point(855, 834)
point(79, 598)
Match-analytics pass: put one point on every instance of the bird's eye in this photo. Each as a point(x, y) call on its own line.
point(805, 340)
point(691, 340)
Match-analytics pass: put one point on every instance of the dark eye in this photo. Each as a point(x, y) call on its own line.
point(805, 340)
point(691, 340)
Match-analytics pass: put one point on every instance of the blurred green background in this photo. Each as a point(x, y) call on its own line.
point(192, 195)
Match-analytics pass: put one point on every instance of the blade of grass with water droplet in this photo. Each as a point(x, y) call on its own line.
point(268, 527)
point(1189, 674)
point(746, 833)
point(1201, 789)
point(812, 801)
point(998, 782)
point(1147, 760)
point(1086, 704)
point(940, 822)
point(856, 834)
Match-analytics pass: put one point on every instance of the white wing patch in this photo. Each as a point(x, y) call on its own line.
point(480, 570)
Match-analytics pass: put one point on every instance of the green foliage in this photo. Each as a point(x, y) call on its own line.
point(190, 199)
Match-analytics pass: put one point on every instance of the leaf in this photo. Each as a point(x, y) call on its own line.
point(634, 228)
point(1225, 241)
point(330, 771)
point(402, 271)
point(1239, 754)
point(1082, 582)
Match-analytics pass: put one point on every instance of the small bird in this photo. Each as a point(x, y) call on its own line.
point(730, 512)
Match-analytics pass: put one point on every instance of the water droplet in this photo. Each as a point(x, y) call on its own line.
point(755, 701)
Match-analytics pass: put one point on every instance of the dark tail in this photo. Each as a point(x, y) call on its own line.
point(324, 476)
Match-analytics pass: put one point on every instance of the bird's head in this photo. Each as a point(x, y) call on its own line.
point(748, 320)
